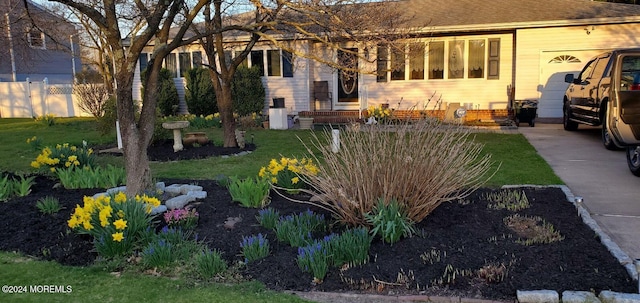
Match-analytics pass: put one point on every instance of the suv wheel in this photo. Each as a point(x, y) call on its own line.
point(633, 159)
point(566, 122)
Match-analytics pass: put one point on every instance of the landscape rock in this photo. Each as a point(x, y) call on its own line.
point(116, 190)
point(173, 189)
point(179, 201)
point(579, 297)
point(185, 189)
point(200, 194)
point(538, 296)
point(158, 210)
point(607, 296)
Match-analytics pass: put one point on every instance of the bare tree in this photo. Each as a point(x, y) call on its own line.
point(329, 26)
point(139, 22)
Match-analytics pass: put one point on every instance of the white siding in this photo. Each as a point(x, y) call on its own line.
point(535, 46)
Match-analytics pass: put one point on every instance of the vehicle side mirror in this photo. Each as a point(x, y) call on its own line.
point(568, 78)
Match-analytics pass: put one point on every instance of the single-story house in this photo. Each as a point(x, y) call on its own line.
point(477, 54)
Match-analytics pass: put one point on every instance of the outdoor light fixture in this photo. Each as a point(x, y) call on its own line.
point(578, 201)
point(589, 29)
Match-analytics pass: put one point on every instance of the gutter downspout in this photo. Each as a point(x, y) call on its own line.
point(11, 54)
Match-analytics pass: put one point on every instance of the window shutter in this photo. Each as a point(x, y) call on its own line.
point(493, 70)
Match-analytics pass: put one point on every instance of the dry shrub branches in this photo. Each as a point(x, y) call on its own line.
point(421, 164)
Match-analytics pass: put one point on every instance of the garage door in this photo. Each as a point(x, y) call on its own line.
point(554, 66)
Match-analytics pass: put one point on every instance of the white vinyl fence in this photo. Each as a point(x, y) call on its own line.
point(34, 99)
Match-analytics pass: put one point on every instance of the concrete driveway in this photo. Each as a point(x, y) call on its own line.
point(610, 192)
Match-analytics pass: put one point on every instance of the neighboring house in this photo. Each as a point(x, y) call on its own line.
point(39, 49)
point(477, 54)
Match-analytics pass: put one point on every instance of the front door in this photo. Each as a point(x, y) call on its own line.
point(347, 78)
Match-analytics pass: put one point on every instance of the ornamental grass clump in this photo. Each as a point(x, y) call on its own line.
point(289, 174)
point(420, 163)
point(116, 222)
point(64, 156)
point(48, 205)
point(250, 192)
point(254, 248)
point(169, 246)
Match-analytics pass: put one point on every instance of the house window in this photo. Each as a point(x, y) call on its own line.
point(287, 64)
point(143, 60)
point(36, 39)
point(185, 63)
point(257, 59)
point(416, 61)
point(493, 70)
point(436, 60)
point(456, 59)
point(171, 64)
point(397, 63)
point(197, 59)
point(382, 63)
point(476, 59)
point(273, 62)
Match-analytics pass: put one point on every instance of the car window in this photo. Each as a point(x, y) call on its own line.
point(587, 70)
point(630, 77)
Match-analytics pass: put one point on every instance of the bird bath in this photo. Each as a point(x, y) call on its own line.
point(176, 126)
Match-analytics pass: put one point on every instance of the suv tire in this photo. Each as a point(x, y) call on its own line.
point(566, 119)
point(633, 159)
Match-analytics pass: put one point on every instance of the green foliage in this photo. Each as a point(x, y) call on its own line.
point(247, 91)
point(169, 246)
point(314, 258)
point(167, 94)
point(48, 119)
point(297, 230)
point(22, 187)
point(96, 177)
point(48, 205)
point(268, 218)
point(250, 192)
point(6, 188)
point(209, 263)
point(254, 248)
point(200, 95)
point(35, 143)
point(350, 247)
point(390, 221)
point(199, 122)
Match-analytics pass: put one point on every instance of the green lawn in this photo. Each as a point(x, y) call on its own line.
point(517, 160)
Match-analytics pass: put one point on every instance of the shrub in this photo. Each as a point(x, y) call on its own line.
point(421, 164)
point(250, 192)
point(288, 173)
point(107, 122)
point(209, 263)
point(211, 120)
point(64, 156)
point(200, 95)
point(390, 221)
point(48, 205)
point(92, 98)
point(247, 91)
point(116, 222)
point(168, 100)
point(254, 248)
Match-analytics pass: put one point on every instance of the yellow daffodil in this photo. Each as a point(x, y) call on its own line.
point(120, 197)
point(117, 237)
point(121, 214)
point(295, 180)
point(120, 224)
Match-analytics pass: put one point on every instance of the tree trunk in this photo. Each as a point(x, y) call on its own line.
point(225, 106)
point(136, 139)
